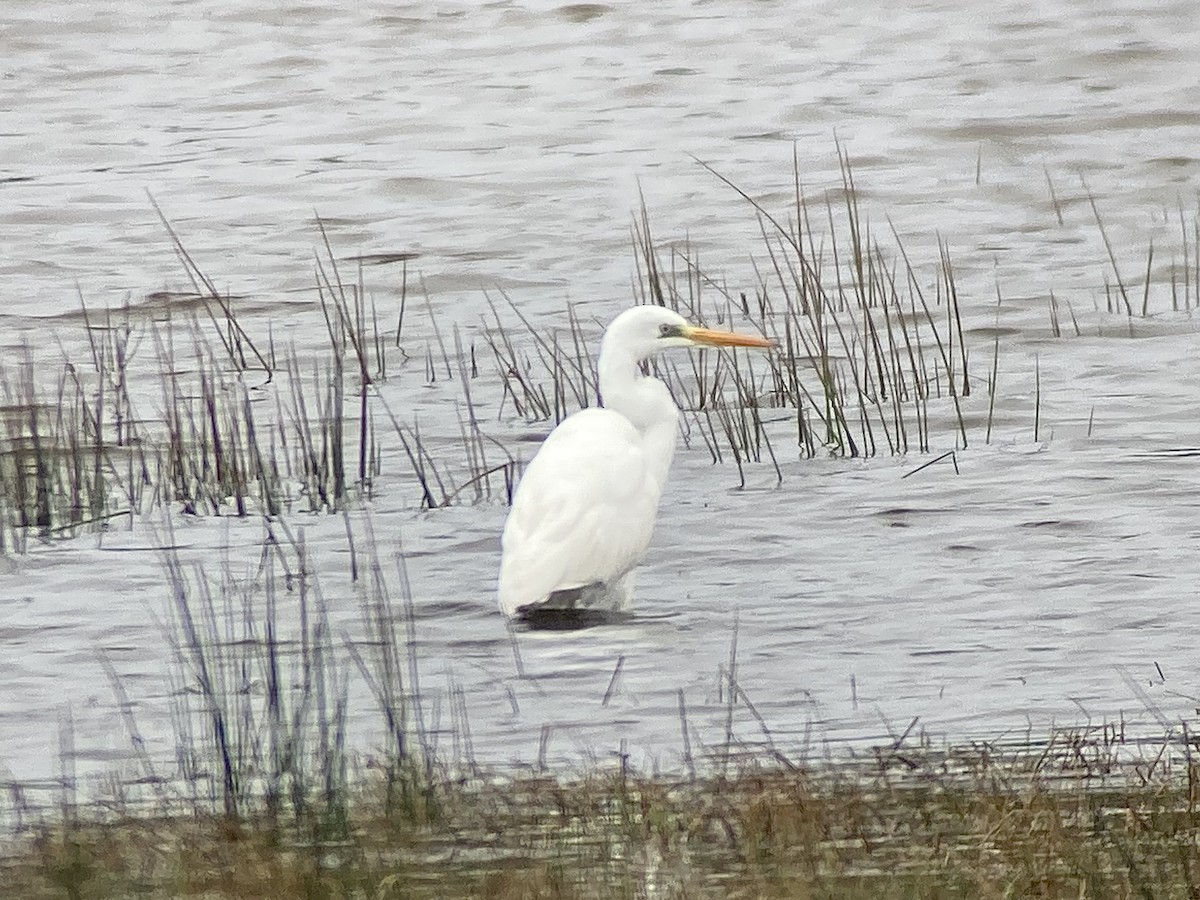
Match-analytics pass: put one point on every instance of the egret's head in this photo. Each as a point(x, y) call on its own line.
point(645, 330)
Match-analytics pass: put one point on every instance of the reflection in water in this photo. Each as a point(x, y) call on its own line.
point(548, 618)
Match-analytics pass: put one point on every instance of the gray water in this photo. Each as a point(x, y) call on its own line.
point(1051, 579)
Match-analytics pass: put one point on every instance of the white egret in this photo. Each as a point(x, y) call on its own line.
point(583, 513)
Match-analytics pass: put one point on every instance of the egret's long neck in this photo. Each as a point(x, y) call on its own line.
point(644, 401)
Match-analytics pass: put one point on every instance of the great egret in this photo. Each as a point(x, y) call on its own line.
point(583, 513)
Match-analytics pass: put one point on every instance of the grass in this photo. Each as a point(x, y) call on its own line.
point(1072, 817)
point(202, 411)
point(192, 400)
point(264, 796)
point(1178, 277)
point(874, 357)
point(864, 350)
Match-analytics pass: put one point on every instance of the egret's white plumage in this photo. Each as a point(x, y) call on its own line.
point(584, 511)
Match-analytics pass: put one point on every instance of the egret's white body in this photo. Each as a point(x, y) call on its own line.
point(584, 512)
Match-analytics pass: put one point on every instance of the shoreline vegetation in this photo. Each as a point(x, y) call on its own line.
point(184, 403)
point(1083, 813)
point(267, 794)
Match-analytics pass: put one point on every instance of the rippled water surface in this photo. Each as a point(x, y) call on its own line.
point(1051, 578)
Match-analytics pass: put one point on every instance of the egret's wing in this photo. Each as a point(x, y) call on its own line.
point(583, 512)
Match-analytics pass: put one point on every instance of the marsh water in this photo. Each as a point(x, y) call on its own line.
point(1047, 576)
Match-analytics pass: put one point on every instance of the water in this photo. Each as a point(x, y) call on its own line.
point(507, 144)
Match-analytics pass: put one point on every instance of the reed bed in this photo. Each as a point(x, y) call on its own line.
point(873, 359)
point(191, 399)
point(174, 402)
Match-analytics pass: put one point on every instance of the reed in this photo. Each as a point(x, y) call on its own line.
point(201, 407)
point(863, 352)
point(858, 336)
point(82, 441)
point(1178, 278)
point(1073, 814)
point(267, 795)
point(239, 347)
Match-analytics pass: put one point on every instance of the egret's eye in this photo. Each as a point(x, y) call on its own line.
point(665, 330)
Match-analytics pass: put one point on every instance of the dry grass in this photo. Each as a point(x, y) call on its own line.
point(265, 799)
point(975, 822)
